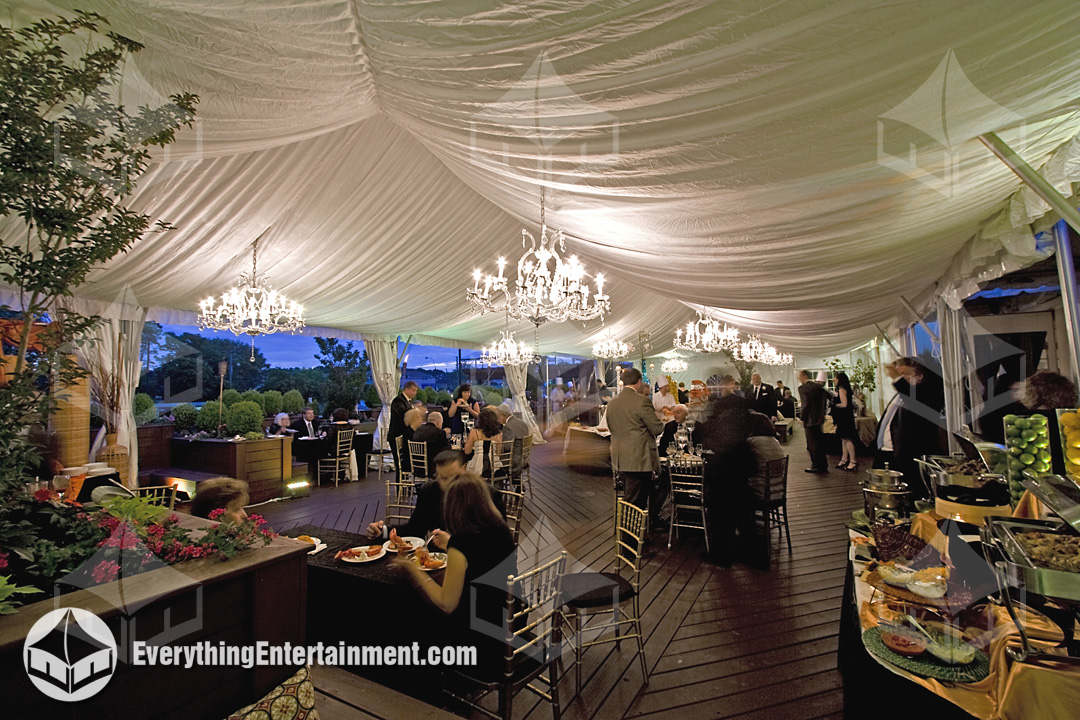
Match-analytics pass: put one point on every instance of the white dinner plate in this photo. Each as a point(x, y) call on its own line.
point(441, 556)
point(414, 541)
point(317, 540)
point(364, 558)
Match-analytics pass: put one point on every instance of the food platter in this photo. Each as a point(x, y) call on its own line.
point(361, 555)
point(415, 542)
point(925, 665)
point(957, 598)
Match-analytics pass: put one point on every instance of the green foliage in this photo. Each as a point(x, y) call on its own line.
point(862, 374)
point(8, 603)
point(309, 382)
point(135, 509)
point(208, 416)
point(490, 395)
point(185, 416)
point(254, 436)
point(144, 409)
point(230, 397)
point(742, 367)
point(346, 372)
point(254, 396)
point(442, 396)
point(244, 417)
point(292, 402)
point(272, 400)
point(69, 156)
point(371, 397)
point(190, 362)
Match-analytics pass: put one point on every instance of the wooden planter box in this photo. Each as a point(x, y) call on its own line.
point(260, 595)
point(155, 446)
point(264, 464)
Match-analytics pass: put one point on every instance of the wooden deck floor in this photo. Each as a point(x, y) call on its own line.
point(721, 642)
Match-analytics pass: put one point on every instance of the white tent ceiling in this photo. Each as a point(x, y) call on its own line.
point(793, 166)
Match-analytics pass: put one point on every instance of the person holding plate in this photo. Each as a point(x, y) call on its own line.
point(480, 554)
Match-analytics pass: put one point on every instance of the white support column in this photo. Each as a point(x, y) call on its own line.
point(951, 370)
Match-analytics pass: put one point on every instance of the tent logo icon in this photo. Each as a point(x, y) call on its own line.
point(70, 654)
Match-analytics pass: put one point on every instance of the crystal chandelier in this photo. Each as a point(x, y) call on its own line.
point(611, 349)
point(756, 350)
point(705, 335)
point(251, 308)
point(507, 353)
point(547, 287)
point(673, 365)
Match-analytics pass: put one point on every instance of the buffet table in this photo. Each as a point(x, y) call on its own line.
point(587, 448)
point(1010, 690)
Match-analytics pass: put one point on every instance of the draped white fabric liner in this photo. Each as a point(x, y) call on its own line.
point(116, 343)
point(385, 374)
point(515, 377)
point(793, 168)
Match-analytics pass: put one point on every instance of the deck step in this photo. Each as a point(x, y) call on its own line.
point(345, 695)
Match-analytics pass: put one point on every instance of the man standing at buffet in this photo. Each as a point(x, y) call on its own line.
point(813, 399)
point(634, 426)
point(912, 423)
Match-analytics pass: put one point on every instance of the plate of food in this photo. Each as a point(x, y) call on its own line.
point(309, 539)
point(402, 544)
point(429, 561)
point(361, 554)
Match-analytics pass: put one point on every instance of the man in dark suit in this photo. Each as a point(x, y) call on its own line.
point(634, 426)
point(728, 465)
point(308, 426)
point(912, 423)
point(432, 435)
point(679, 414)
point(813, 399)
point(400, 405)
point(761, 396)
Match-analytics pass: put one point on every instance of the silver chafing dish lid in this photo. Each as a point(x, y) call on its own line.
point(1060, 494)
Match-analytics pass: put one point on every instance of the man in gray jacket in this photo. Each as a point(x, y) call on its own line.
point(634, 426)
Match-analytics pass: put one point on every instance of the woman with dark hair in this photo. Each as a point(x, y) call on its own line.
point(223, 493)
point(462, 404)
point(843, 414)
point(488, 429)
point(1043, 393)
point(480, 544)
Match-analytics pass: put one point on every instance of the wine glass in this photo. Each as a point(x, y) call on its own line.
point(699, 451)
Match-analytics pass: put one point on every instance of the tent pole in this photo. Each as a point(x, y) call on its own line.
point(919, 320)
point(949, 324)
point(1062, 245)
point(1067, 280)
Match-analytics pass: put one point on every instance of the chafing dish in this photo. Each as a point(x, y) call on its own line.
point(1014, 566)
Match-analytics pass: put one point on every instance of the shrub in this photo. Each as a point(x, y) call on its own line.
point(489, 395)
point(256, 397)
point(144, 409)
point(371, 397)
point(443, 396)
point(292, 402)
point(244, 417)
point(185, 416)
point(208, 416)
point(427, 396)
point(272, 400)
point(230, 397)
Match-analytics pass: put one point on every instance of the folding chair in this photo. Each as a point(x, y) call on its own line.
point(770, 498)
point(337, 463)
point(500, 463)
point(526, 467)
point(687, 475)
point(532, 623)
point(513, 506)
point(400, 501)
point(159, 495)
point(592, 593)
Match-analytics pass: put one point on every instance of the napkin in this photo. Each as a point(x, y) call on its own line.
point(318, 549)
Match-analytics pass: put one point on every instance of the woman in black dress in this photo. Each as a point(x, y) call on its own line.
point(843, 414)
point(461, 406)
point(479, 557)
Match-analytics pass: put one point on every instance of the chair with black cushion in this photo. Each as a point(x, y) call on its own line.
point(338, 463)
point(419, 460)
point(533, 645)
point(164, 495)
point(400, 500)
point(513, 507)
point(609, 593)
point(769, 499)
point(687, 475)
point(499, 464)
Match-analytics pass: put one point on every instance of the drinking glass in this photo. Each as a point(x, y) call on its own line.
point(699, 450)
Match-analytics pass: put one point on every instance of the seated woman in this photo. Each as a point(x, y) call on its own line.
point(480, 545)
point(280, 425)
point(223, 493)
point(488, 430)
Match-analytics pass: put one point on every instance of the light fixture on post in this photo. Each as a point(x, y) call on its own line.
point(673, 365)
point(546, 288)
point(251, 308)
point(706, 336)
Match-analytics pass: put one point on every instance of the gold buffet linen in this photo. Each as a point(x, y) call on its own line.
point(1012, 691)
